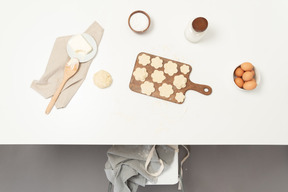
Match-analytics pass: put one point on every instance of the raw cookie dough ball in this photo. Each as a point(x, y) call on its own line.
point(102, 79)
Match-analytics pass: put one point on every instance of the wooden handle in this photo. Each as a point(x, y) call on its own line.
point(204, 89)
point(55, 96)
point(70, 69)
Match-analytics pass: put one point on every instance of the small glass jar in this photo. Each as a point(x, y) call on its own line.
point(196, 29)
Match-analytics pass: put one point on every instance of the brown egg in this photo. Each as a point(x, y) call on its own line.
point(247, 76)
point(247, 66)
point(239, 82)
point(239, 72)
point(249, 85)
point(253, 72)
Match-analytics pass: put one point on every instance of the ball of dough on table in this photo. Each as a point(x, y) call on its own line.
point(102, 79)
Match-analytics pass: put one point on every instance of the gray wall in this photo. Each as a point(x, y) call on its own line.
point(80, 169)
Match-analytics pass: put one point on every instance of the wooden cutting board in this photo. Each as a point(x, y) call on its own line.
point(163, 78)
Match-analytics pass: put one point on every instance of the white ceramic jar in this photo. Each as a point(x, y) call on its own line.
point(196, 29)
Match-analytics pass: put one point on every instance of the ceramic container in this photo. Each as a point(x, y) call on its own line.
point(196, 29)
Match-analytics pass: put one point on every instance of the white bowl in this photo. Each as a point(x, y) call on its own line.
point(257, 78)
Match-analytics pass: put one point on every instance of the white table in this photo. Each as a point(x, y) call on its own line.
point(254, 31)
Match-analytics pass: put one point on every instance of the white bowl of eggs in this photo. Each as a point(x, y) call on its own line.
point(246, 77)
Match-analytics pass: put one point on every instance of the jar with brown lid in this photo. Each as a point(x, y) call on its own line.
point(196, 29)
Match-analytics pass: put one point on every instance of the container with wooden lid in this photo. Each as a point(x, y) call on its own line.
point(196, 29)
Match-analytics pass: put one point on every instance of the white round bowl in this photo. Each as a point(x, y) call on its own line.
point(257, 78)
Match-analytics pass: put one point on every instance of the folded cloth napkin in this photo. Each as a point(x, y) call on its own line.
point(125, 168)
point(54, 72)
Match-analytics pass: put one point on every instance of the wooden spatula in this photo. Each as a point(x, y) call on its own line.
point(70, 69)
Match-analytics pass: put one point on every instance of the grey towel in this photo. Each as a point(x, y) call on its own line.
point(125, 168)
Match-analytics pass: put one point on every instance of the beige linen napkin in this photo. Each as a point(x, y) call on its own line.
point(54, 72)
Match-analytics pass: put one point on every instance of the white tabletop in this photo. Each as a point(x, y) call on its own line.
point(245, 30)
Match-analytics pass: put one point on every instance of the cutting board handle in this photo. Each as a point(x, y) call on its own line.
point(204, 89)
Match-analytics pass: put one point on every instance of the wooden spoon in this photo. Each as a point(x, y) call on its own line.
point(70, 69)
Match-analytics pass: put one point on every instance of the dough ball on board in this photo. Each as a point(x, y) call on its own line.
point(102, 79)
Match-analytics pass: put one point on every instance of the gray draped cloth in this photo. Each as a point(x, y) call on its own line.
point(125, 168)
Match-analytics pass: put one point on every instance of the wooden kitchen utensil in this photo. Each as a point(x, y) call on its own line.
point(70, 69)
point(175, 75)
point(72, 65)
